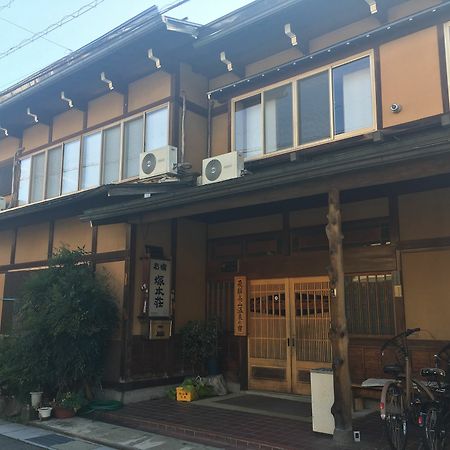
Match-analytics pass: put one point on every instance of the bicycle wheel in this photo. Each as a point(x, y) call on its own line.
point(396, 417)
point(435, 430)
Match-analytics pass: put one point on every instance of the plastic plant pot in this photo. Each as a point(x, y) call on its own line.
point(36, 398)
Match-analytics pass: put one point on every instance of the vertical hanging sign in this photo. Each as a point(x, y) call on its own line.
point(240, 306)
point(159, 288)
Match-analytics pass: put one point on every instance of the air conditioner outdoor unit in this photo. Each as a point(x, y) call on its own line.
point(222, 167)
point(162, 161)
point(2, 203)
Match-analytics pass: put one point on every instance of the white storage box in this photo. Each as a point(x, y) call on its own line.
point(322, 397)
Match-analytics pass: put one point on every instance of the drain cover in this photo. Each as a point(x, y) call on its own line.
point(50, 439)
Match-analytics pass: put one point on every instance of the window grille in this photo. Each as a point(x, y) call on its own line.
point(370, 304)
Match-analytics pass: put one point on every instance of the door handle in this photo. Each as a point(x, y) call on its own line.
point(293, 342)
point(288, 342)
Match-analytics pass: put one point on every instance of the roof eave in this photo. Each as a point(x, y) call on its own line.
point(227, 30)
point(350, 159)
point(90, 54)
point(401, 25)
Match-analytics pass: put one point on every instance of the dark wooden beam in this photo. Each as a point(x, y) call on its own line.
point(99, 258)
point(297, 37)
point(381, 11)
point(51, 238)
point(230, 64)
point(128, 304)
point(342, 407)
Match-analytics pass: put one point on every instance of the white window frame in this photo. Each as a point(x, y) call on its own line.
point(81, 138)
point(293, 81)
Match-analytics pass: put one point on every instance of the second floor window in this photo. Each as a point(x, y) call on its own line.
point(90, 160)
point(102, 157)
point(133, 145)
point(70, 167)
point(330, 103)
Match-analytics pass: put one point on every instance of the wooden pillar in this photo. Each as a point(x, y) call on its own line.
point(342, 407)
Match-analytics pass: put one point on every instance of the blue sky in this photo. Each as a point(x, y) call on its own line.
point(37, 15)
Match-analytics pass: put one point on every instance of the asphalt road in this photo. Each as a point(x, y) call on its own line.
point(11, 444)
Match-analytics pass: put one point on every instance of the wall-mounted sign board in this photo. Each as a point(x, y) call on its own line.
point(240, 306)
point(159, 288)
point(160, 329)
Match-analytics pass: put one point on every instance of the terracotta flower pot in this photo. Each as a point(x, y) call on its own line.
point(63, 413)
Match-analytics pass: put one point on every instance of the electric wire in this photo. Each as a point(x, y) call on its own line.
point(32, 32)
point(163, 10)
point(66, 19)
point(6, 5)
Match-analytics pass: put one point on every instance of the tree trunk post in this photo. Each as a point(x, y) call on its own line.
point(342, 407)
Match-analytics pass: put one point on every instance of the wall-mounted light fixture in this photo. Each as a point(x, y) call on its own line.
point(290, 34)
point(68, 100)
point(33, 116)
point(154, 58)
point(107, 81)
point(4, 131)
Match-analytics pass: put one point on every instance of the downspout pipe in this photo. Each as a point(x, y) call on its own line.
point(210, 108)
point(183, 127)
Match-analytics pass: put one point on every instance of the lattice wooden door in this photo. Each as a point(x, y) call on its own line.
point(288, 332)
point(310, 316)
point(269, 365)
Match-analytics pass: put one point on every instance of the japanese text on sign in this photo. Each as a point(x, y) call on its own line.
point(240, 306)
point(160, 285)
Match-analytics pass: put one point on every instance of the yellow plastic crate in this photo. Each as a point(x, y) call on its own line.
point(185, 396)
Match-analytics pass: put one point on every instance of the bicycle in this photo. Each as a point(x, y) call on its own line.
point(402, 398)
point(437, 415)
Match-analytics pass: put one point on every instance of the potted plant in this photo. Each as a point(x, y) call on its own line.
point(67, 404)
point(45, 412)
point(211, 339)
point(200, 345)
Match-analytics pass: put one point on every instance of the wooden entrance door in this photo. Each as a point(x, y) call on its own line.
point(310, 322)
point(288, 332)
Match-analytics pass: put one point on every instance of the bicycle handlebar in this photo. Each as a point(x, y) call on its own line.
point(405, 334)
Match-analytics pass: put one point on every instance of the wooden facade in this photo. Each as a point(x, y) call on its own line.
point(269, 225)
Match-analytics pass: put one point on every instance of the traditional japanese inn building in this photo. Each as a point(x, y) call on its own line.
point(195, 163)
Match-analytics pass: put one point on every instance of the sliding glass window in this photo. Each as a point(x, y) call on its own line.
point(91, 157)
point(248, 126)
point(278, 129)
point(133, 145)
point(37, 177)
point(352, 88)
point(24, 181)
point(333, 102)
point(314, 108)
point(102, 157)
point(71, 164)
point(111, 155)
point(156, 129)
point(54, 166)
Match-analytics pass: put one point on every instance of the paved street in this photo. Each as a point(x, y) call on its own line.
point(74, 434)
point(12, 444)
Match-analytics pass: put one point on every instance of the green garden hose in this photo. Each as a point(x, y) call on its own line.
point(101, 405)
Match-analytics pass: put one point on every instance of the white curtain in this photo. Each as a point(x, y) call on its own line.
point(357, 93)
